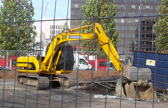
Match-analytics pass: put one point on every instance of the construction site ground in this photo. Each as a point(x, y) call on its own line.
point(29, 97)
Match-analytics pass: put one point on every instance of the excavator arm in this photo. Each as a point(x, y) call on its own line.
point(45, 66)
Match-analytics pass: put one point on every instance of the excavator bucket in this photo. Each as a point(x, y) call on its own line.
point(144, 89)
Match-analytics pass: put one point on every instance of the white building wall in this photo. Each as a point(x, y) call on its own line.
point(48, 26)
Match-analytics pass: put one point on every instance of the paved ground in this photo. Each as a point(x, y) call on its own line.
point(28, 98)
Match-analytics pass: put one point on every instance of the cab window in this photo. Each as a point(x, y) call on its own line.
point(102, 63)
point(13, 62)
point(82, 61)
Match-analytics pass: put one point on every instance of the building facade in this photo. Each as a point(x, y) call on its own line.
point(130, 32)
point(147, 36)
point(49, 28)
point(76, 12)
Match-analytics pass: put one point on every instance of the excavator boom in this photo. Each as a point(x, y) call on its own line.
point(71, 35)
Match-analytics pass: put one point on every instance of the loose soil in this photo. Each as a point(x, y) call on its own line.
point(8, 74)
point(84, 75)
point(96, 90)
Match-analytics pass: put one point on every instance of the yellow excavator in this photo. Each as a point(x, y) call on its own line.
point(59, 61)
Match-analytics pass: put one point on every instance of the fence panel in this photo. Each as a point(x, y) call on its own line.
point(45, 60)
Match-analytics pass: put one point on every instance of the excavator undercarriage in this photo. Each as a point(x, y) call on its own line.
point(43, 82)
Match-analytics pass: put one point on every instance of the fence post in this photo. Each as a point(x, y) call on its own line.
point(10, 64)
point(6, 58)
point(96, 62)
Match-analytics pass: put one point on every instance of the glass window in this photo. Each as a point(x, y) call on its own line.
point(136, 20)
point(148, 43)
point(147, 6)
point(143, 28)
point(13, 62)
point(133, 6)
point(147, 28)
point(142, 43)
point(102, 63)
point(82, 61)
point(122, 20)
point(76, 5)
point(143, 35)
point(53, 32)
point(147, 35)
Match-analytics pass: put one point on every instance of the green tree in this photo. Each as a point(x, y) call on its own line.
point(13, 11)
point(43, 43)
point(102, 10)
point(65, 26)
point(162, 44)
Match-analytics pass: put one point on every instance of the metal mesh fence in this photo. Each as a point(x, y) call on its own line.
point(47, 63)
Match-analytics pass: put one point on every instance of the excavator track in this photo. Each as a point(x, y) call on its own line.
point(39, 82)
point(69, 81)
point(42, 83)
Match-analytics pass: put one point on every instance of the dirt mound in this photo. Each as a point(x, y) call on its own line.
point(87, 74)
point(96, 90)
point(82, 75)
point(8, 74)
